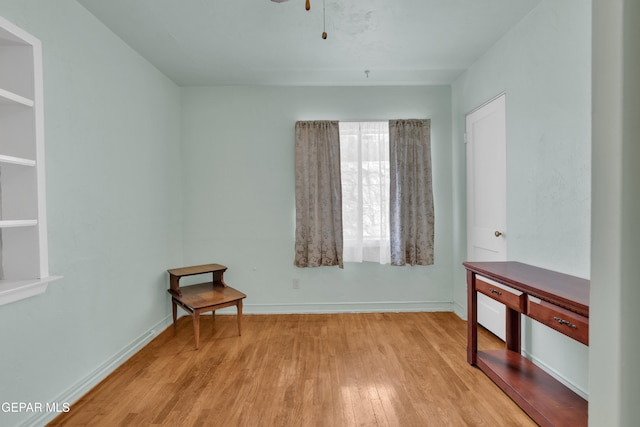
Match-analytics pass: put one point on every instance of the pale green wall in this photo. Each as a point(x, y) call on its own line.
point(115, 189)
point(543, 65)
point(114, 215)
point(615, 290)
point(238, 147)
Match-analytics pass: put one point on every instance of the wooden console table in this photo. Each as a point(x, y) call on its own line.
point(203, 297)
point(558, 301)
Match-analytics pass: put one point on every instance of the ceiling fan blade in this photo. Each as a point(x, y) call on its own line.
point(279, 1)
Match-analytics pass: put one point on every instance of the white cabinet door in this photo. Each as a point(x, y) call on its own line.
point(487, 198)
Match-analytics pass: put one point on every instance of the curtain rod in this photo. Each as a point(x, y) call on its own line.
point(368, 120)
point(376, 121)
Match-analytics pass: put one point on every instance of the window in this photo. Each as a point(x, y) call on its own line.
point(364, 169)
point(365, 188)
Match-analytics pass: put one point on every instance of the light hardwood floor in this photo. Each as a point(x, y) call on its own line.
point(379, 369)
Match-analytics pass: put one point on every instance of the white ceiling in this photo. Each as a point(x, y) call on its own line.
point(223, 42)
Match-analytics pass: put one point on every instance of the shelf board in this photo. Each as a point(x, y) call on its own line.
point(13, 223)
point(545, 399)
point(16, 161)
point(10, 98)
point(15, 290)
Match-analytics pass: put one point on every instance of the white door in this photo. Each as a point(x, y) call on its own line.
point(487, 198)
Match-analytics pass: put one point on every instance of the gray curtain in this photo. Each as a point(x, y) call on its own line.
point(411, 197)
point(318, 194)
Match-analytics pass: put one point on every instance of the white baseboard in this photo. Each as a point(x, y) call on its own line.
point(555, 374)
point(338, 307)
point(460, 311)
point(76, 391)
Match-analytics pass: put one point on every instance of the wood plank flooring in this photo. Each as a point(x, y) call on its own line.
point(378, 369)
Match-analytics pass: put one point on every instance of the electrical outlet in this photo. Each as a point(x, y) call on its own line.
point(295, 283)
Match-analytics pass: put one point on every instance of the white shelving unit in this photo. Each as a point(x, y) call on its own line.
point(24, 263)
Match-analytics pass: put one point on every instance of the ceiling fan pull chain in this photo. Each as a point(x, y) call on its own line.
point(308, 5)
point(324, 21)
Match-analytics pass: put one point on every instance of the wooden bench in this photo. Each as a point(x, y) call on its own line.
point(203, 297)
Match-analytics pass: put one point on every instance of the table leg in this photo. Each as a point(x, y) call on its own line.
point(513, 330)
point(472, 319)
point(196, 327)
point(174, 309)
point(239, 307)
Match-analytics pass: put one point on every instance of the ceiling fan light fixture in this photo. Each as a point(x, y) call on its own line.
point(307, 4)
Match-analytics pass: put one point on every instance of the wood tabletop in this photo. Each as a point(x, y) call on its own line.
point(562, 289)
point(196, 269)
point(208, 294)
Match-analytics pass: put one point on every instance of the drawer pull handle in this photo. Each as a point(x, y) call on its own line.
point(493, 291)
point(565, 322)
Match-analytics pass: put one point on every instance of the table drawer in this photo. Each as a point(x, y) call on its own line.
point(567, 322)
point(510, 297)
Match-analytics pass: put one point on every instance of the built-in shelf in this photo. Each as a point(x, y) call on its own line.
point(18, 223)
point(11, 160)
point(11, 98)
point(24, 258)
point(15, 290)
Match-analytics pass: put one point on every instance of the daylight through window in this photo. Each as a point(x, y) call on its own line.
point(364, 168)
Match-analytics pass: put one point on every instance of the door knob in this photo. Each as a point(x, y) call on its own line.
point(498, 234)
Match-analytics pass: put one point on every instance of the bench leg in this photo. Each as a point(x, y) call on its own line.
point(239, 307)
point(196, 327)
